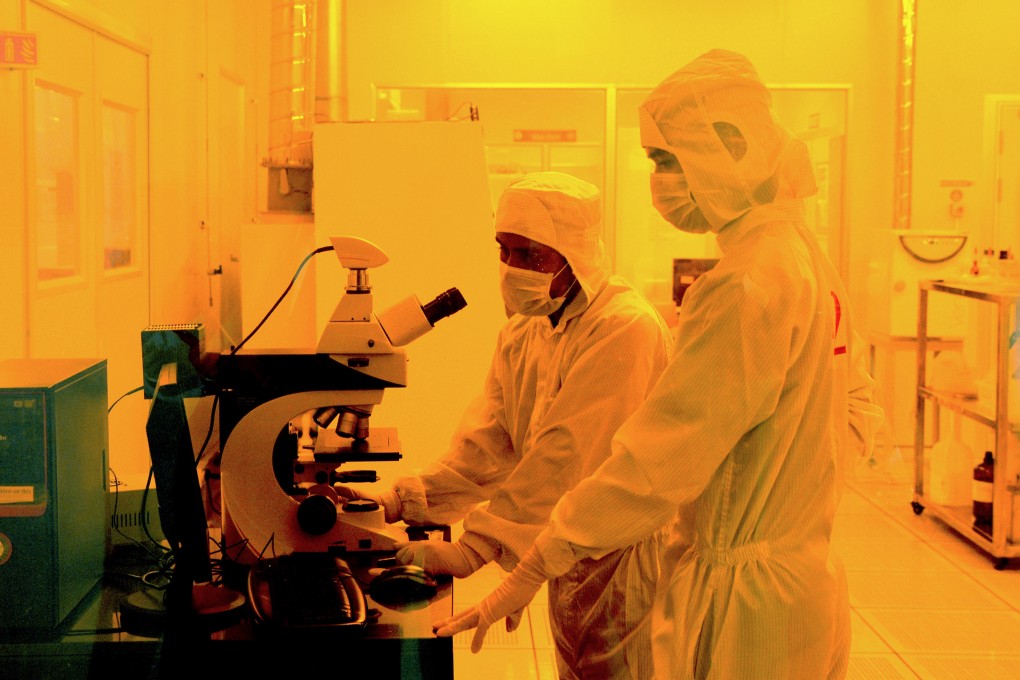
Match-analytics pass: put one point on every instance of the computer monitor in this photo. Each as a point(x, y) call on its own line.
point(192, 606)
point(181, 510)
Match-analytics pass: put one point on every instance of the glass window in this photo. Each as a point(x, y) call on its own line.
point(118, 187)
point(58, 222)
point(527, 129)
point(584, 161)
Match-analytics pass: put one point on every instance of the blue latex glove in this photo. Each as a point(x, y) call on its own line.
point(440, 557)
point(508, 601)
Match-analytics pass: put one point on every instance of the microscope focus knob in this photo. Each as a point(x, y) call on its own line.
point(361, 505)
point(316, 514)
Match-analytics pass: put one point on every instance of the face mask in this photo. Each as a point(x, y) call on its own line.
point(672, 198)
point(527, 292)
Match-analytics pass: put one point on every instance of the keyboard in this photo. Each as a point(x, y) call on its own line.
point(305, 590)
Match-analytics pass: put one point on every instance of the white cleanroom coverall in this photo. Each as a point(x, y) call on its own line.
point(749, 428)
point(552, 399)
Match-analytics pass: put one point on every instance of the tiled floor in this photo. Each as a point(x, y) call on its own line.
point(925, 603)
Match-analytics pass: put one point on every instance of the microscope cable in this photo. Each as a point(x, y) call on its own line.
point(276, 304)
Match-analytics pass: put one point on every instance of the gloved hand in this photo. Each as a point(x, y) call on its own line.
point(440, 557)
point(386, 497)
point(508, 600)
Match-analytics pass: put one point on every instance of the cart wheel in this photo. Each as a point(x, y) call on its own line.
point(918, 508)
point(1001, 563)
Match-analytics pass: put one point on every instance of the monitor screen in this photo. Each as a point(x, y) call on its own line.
point(181, 511)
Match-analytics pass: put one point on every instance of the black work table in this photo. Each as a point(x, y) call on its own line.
point(91, 644)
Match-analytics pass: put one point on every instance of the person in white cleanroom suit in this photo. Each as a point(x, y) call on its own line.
point(580, 351)
point(750, 425)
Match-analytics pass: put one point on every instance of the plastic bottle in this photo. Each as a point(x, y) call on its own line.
point(981, 490)
point(950, 462)
point(974, 270)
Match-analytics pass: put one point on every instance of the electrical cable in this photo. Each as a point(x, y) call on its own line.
point(271, 543)
point(276, 304)
point(472, 112)
point(116, 499)
point(117, 400)
point(116, 492)
point(154, 556)
point(158, 579)
point(241, 545)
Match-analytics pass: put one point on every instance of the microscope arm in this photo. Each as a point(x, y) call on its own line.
point(258, 513)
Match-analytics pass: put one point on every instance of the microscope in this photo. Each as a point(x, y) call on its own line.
point(290, 419)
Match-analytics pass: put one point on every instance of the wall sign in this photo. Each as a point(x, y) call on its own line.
point(545, 135)
point(18, 50)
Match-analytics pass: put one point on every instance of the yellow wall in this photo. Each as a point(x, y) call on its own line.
point(187, 62)
point(791, 42)
point(964, 53)
point(12, 196)
point(178, 164)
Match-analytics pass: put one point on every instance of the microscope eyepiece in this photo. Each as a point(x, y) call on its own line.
point(410, 319)
point(444, 305)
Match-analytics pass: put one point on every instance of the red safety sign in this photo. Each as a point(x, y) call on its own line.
point(545, 135)
point(18, 50)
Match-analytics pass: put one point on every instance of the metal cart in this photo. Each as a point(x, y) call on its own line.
point(1004, 540)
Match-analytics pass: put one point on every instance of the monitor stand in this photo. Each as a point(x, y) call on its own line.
point(147, 612)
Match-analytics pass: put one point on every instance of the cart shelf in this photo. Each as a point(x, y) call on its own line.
point(1004, 541)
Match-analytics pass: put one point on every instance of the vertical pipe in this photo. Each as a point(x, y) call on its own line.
point(905, 115)
point(280, 45)
point(330, 62)
point(919, 399)
point(291, 80)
